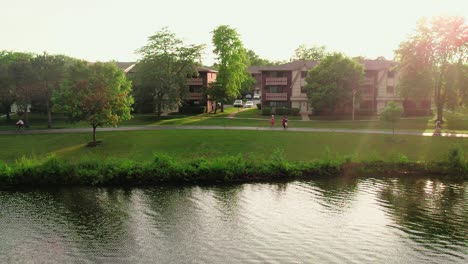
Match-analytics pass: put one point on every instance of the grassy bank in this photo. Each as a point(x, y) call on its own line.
point(257, 145)
point(163, 169)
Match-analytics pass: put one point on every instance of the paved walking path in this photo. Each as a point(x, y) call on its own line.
point(231, 115)
point(301, 129)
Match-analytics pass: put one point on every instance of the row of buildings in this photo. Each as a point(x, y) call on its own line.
point(284, 86)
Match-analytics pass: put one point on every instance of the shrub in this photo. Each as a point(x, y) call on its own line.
point(267, 111)
point(455, 158)
point(259, 106)
point(192, 109)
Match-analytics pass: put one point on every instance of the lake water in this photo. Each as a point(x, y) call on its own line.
point(389, 220)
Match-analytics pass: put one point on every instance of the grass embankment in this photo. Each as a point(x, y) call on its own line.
point(163, 169)
point(196, 156)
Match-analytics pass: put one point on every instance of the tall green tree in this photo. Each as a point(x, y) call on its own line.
point(99, 94)
point(425, 59)
point(163, 71)
point(232, 62)
point(50, 70)
point(309, 53)
point(24, 80)
point(7, 87)
point(330, 85)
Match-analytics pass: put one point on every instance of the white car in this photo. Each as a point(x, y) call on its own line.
point(237, 103)
point(248, 104)
point(256, 96)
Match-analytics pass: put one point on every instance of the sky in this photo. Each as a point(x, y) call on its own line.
point(103, 30)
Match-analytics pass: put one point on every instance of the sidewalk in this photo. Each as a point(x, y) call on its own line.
point(298, 129)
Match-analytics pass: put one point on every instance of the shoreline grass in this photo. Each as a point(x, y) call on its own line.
point(165, 169)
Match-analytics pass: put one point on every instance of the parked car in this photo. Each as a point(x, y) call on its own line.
point(237, 103)
point(256, 96)
point(248, 96)
point(248, 104)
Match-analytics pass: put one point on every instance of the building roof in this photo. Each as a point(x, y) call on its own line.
point(369, 65)
point(255, 69)
point(375, 65)
point(205, 69)
point(291, 66)
point(125, 66)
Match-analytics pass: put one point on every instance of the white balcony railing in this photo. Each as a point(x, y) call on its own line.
point(194, 96)
point(195, 81)
point(276, 81)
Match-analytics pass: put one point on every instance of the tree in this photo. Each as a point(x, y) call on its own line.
point(330, 85)
point(163, 71)
point(315, 53)
point(99, 94)
point(391, 113)
point(24, 81)
point(255, 60)
point(232, 62)
point(426, 57)
point(7, 87)
point(50, 71)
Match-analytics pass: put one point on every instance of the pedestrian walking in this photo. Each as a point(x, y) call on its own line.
point(272, 121)
point(285, 122)
point(438, 128)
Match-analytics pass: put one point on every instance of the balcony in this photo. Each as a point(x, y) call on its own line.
point(276, 81)
point(195, 81)
point(276, 96)
point(194, 96)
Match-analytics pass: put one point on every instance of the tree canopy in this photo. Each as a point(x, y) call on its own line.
point(98, 93)
point(163, 71)
point(309, 53)
point(330, 85)
point(232, 61)
point(431, 58)
point(391, 113)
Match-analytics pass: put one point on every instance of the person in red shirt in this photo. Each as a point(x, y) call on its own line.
point(285, 122)
point(272, 121)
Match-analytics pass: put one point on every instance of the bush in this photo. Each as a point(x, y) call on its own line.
point(192, 109)
point(266, 111)
point(280, 111)
point(259, 106)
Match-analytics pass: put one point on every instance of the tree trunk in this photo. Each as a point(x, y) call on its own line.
point(26, 117)
point(440, 112)
point(158, 112)
point(222, 107)
point(8, 115)
point(94, 135)
point(49, 115)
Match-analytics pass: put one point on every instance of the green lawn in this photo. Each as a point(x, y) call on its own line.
point(189, 144)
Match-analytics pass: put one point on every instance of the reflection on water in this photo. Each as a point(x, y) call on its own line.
point(342, 220)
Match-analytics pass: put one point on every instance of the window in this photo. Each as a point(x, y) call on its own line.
point(390, 89)
point(194, 89)
point(303, 89)
point(273, 74)
point(275, 89)
point(303, 74)
point(366, 89)
point(279, 104)
point(390, 74)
